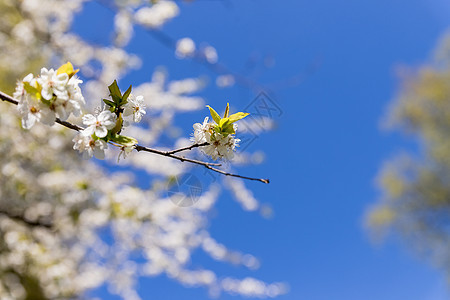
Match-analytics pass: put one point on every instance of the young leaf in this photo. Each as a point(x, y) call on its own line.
point(223, 122)
point(125, 96)
point(115, 93)
point(68, 69)
point(237, 116)
point(216, 128)
point(109, 102)
point(124, 140)
point(227, 111)
point(214, 114)
point(226, 126)
point(228, 129)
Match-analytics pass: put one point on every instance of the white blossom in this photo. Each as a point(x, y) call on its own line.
point(32, 111)
point(135, 108)
point(20, 93)
point(68, 98)
point(202, 131)
point(125, 151)
point(89, 147)
point(220, 146)
point(100, 124)
point(76, 100)
point(53, 84)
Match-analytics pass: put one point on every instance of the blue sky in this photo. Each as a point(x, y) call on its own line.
point(328, 147)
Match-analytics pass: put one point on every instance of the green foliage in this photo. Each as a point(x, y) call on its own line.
point(29, 62)
point(225, 125)
point(117, 103)
point(119, 100)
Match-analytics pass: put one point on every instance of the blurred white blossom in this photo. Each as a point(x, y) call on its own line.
point(210, 54)
point(225, 81)
point(157, 14)
point(185, 47)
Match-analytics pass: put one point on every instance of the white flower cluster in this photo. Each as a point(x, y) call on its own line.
point(57, 94)
point(220, 145)
point(90, 141)
point(47, 97)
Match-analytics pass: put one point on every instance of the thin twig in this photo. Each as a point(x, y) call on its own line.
point(139, 148)
point(238, 176)
point(205, 164)
point(180, 158)
point(187, 148)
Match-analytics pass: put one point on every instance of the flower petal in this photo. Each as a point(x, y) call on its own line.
point(100, 131)
point(89, 119)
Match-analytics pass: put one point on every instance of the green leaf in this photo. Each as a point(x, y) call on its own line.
point(223, 122)
point(227, 111)
point(109, 102)
point(237, 116)
point(214, 114)
point(216, 128)
point(124, 140)
point(125, 96)
point(115, 93)
point(227, 127)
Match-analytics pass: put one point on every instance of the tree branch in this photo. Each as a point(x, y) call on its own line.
point(22, 219)
point(139, 148)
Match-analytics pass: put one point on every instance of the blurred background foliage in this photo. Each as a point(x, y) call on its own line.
point(29, 55)
point(415, 200)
